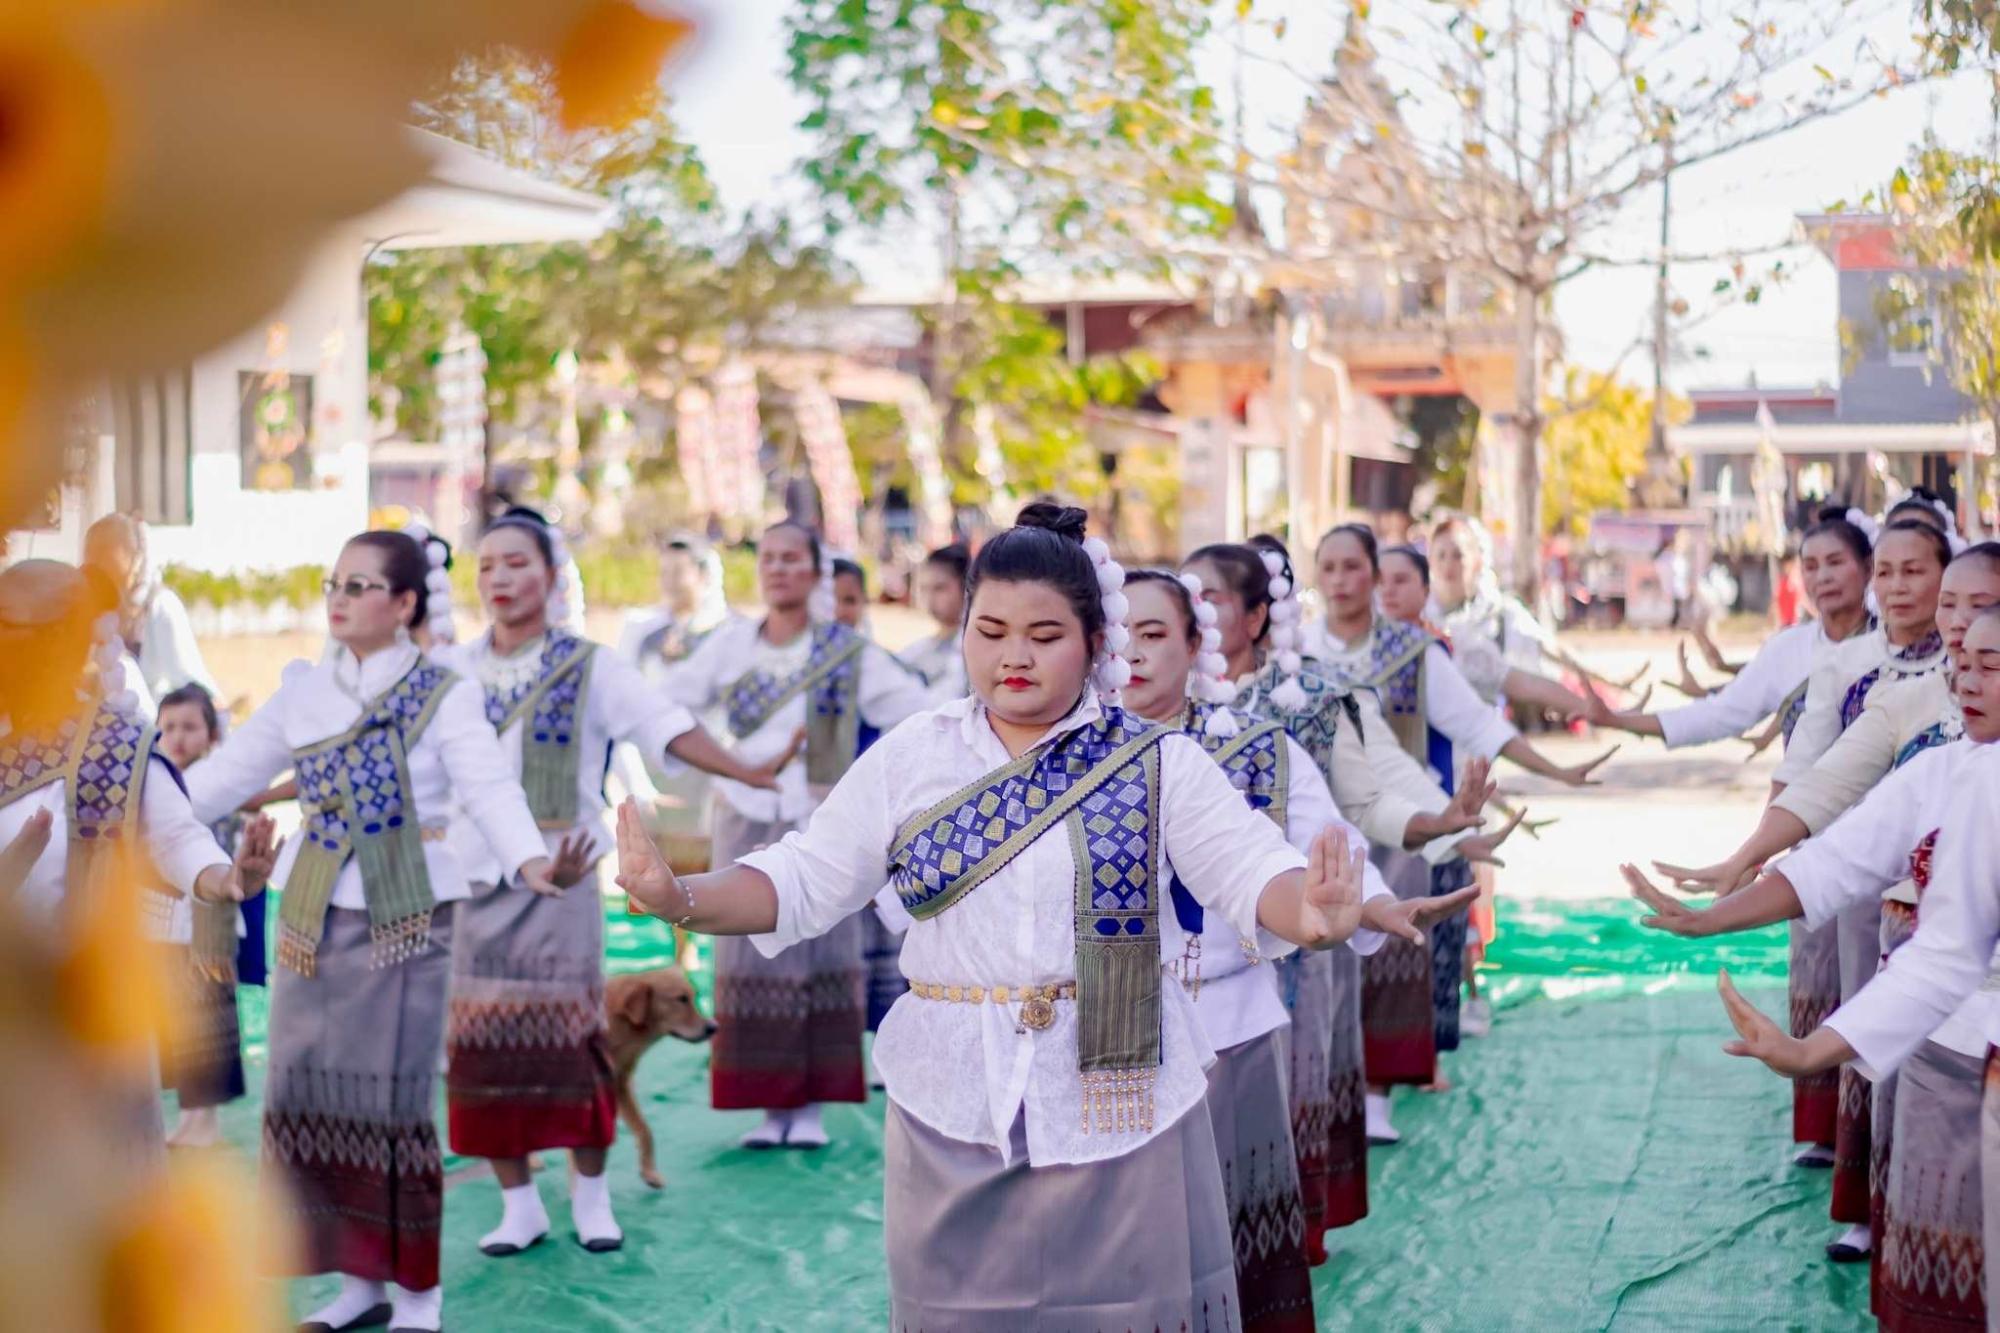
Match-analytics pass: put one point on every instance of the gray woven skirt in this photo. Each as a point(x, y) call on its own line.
point(1260, 1179)
point(1932, 1253)
point(1858, 932)
point(1134, 1242)
point(349, 1115)
point(527, 1065)
point(1814, 992)
point(788, 1029)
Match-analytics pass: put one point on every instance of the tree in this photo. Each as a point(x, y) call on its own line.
point(1948, 305)
point(1595, 448)
point(666, 291)
point(1518, 135)
point(1030, 138)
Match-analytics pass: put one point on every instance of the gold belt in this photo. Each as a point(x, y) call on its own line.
point(1038, 1003)
point(436, 832)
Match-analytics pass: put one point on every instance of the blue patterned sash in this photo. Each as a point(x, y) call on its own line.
point(1256, 763)
point(1792, 709)
point(831, 678)
point(354, 794)
point(1930, 738)
point(1102, 782)
point(552, 740)
point(1395, 672)
point(101, 754)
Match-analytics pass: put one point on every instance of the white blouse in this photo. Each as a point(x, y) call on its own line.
point(888, 694)
point(457, 768)
point(181, 846)
point(168, 654)
point(1780, 668)
point(940, 660)
point(1866, 853)
point(962, 1068)
point(618, 706)
point(1491, 633)
point(1944, 963)
point(1237, 998)
point(1451, 706)
point(1897, 713)
point(1819, 726)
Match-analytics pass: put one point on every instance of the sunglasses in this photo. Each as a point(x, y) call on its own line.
point(352, 588)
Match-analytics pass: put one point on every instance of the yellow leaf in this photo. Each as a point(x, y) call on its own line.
point(944, 113)
point(1475, 150)
point(1243, 8)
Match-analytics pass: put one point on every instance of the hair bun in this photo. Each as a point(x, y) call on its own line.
point(1063, 520)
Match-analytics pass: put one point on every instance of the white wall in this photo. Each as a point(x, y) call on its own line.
point(234, 530)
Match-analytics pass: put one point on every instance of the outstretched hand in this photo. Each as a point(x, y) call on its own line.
point(1687, 684)
point(1669, 914)
point(257, 854)
point(1481, 850)
point(1579, 775)
point(575, 855)
point(1757, 1037)
point(25, 848)
point(1330, 905)
point(1721, 879)
point(1468, 803)
point(1407, 919)
point(642, 872)
point(765, 775)
point(1762, 741)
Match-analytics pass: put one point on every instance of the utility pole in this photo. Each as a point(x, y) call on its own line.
point(1659, 486)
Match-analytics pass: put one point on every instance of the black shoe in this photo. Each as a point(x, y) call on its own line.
point(501, 1249)
point(602, 1244)
point(373, 1317)
point(1843, 1253)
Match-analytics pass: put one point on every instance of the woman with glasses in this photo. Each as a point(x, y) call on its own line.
point(385, 743)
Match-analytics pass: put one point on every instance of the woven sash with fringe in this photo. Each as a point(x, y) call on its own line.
point(354, 792)
point(831, 677)
point(1102, 783)
point(552, 702)
point(1395, 672)
point(101, 755)
point(214, 942)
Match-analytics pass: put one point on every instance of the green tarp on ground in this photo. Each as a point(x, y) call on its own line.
point(1601, 1164)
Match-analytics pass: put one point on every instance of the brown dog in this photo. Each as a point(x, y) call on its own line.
point(640, 1008)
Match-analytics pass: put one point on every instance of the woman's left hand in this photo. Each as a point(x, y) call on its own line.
point(1407, 919)
point(1579, 775)
point(1330, 905)
point(575, 855)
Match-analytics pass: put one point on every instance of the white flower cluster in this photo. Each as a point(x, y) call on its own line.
point(437, 584)
point(1112, 672)
point(107, 654)
point(1285, 635)
point(1209, 682)
point(558, 614)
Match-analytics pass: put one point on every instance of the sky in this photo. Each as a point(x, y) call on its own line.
point(734, 103)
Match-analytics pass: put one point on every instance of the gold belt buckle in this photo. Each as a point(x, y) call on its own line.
point(1038, 1012)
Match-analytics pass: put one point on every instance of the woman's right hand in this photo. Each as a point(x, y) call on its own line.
point(1468, 804)
point(1687, 684)
point(642, 872)
point(1720, 879)
point(1758, 1038)
point(1481, 850)
point(1669, 914)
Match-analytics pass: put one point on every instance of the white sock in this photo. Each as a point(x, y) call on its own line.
point(590, 1209)
point(198, 1128)
point(769, 1134)
point(357, 1297)
point(523, 1221)
point(1857, 1238)
point(1375, 1108)
point(416, 1309)
point(805, 1129)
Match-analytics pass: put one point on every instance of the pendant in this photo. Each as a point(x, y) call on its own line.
point(1038, 1013)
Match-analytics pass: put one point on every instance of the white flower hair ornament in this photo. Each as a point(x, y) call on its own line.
point(823, 603)
point(1112, 672)
point(1866, 522)
point(559, 589)
point(1289, 695)
point(1209, 681)
point(437, 583)
point(107, 655)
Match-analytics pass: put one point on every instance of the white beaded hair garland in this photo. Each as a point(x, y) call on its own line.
point(559, 589)
point(1865, 521)
point(437, 584)
point(1210, 683)
point(824, 603)
point(107, 654)
point(1112, 672)
point(1285, 635)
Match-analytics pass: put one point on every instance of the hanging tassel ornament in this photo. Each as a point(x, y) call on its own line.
point(1111, 673)
point(1289, 695)
point(437, 584)
point(1209, 681)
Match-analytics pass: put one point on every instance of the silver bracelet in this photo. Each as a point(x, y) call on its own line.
point(687, 917)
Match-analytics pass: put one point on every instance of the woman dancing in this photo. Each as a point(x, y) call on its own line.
point(789, 1025)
